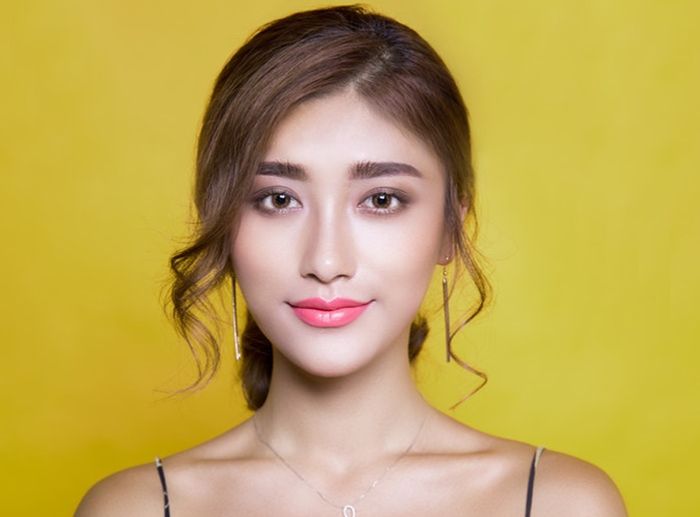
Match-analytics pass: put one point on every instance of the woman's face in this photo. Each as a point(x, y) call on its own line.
point(340, 235)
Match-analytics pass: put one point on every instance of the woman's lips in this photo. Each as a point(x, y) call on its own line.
point(328, 314)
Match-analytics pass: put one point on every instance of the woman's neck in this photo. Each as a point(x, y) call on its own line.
point(343, 422)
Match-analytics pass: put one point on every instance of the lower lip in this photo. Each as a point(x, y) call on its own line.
point(329, 319)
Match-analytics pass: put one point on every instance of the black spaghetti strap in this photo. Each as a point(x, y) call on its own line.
point(531, 480)
point(161, 475)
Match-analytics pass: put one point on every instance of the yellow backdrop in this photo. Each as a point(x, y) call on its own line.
point(585, 117)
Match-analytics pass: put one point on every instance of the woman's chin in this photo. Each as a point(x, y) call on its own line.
point(328, 364)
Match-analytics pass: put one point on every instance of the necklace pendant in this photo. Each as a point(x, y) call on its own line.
point(349, 511)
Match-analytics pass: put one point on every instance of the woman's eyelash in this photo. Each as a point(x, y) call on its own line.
point(275, 201)
point(380, 202)
point(385, 201)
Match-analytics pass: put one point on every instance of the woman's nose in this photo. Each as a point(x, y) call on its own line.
point(329, 251)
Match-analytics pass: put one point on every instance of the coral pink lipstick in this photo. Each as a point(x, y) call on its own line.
point(328, 314)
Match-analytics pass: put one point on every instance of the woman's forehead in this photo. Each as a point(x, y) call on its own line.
point(343, 129)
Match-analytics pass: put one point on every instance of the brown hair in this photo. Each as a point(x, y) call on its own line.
point(287, 62)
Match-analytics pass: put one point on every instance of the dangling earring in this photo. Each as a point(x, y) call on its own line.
point(446, 311)
point(236, 342)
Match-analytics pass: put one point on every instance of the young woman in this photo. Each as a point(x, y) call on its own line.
point(333, 176)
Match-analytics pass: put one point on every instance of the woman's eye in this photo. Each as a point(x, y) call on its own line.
point(276, 202)
point(383, 202)
point(280, 200)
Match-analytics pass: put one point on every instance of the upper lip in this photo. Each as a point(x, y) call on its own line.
point(326, 305)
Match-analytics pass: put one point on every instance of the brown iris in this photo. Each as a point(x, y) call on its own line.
point(381, 200)
point(280, 200)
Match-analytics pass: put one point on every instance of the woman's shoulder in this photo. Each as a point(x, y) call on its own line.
point(562, 484)
point(138, 490)
point(568, 485)
point(132, 491)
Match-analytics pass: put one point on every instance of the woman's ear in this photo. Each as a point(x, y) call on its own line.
point(447, 248)
point(463, 208)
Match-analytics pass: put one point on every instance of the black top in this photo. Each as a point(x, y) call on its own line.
point(528, 500)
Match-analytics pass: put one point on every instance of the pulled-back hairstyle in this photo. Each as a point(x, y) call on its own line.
point(285, 63)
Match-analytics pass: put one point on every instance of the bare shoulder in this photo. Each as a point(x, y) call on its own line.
point(565, 485)
point(134, 491)
point(190, 474)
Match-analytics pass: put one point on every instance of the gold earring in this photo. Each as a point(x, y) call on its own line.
point(446, 311)
point(236, 342)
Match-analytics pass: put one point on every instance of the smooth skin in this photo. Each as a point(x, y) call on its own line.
point(342, 404)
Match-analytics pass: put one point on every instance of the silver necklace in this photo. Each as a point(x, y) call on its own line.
point(349, 508)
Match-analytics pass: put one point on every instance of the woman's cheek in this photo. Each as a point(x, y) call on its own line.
point(259, 250)
point(409, 242)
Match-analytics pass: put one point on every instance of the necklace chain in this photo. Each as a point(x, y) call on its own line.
point(349, 508)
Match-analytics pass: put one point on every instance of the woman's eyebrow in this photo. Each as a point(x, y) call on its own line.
point(359, 170)
point(283, 169)
point(367, 170)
